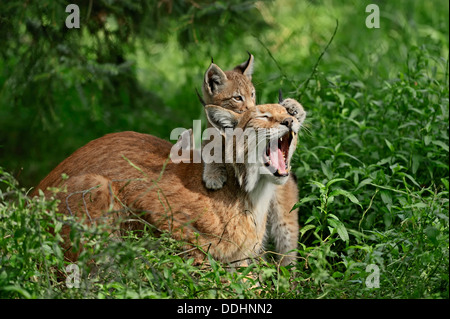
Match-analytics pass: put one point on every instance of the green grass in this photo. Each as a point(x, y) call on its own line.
point(372, 163)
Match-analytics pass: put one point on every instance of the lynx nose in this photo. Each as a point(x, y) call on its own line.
point(287, 122)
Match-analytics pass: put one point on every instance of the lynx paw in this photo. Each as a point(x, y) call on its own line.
point(295, 109)
point(215, 182)
point(214, 175)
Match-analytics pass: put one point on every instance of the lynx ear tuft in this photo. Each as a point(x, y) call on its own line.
point(280, 96)
point(246, 68)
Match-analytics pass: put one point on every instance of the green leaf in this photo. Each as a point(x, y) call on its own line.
point(441, 144)
point(445, 182)
point(285, 272)
point(384, 161)
point(389, 144)
point(245, 271)
point(19, 290)
point(341, 98)
point(310, 218)
point(386, 197)
point(304, 200)
point(415, 162)
point(304, 229)
point(340, 228)
point(364, 183)
point(387, 218)
point(418, 205)
point(410, 178)
point(335, 180)
point(320, 185)
point(58, 227)
point(345, 193)
point(349, 155)
point(333, 216)
point(432, 234)
point(326, 170)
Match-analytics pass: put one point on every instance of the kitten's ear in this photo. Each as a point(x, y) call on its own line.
point(214, 79)
point(221, 118)
point(246, 68)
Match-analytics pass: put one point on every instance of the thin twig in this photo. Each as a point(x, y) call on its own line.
point(314, 70)
point(370, 205)
point(274, 60)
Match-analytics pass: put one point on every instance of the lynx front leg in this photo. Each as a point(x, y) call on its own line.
point(214, 175)
point(284, 227)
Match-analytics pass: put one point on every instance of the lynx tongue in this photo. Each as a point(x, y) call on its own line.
point(277, 161)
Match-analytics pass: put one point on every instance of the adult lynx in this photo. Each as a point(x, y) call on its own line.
point(234, 90)
point(116, 177)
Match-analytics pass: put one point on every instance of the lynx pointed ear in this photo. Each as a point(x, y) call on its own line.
point(221, 118)
point(214, 80)
point(246, 68)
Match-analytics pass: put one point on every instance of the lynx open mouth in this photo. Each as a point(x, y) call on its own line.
point(276, 155)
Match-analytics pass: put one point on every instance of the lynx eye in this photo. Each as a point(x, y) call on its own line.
point(238, 98)
point(263, 117)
